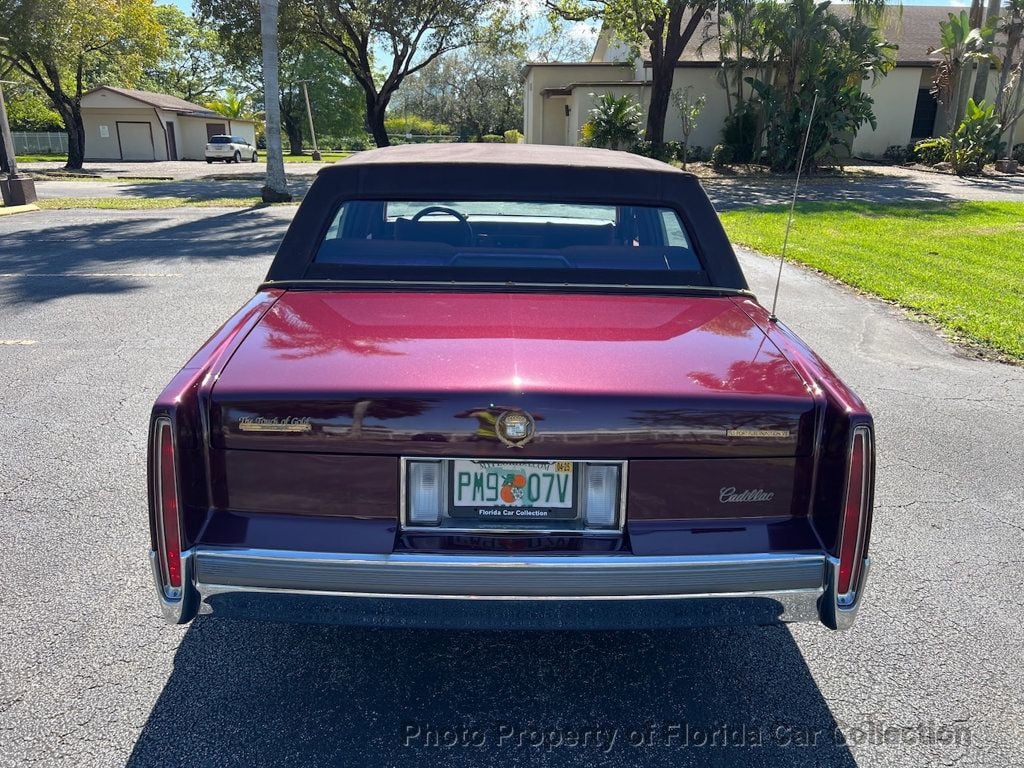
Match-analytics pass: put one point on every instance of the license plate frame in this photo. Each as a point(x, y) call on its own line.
point(494, 492)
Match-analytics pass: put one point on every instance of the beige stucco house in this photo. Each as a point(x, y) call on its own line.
point(124, 124)
point(558, 96)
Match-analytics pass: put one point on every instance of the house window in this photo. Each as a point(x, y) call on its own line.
point(924, 115)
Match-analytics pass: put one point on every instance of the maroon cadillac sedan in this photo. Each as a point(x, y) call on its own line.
point(508, 386)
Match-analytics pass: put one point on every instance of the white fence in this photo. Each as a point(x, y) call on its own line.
point(54, 143)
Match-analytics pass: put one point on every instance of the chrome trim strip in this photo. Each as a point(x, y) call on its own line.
point(182, 608)
point(610, 577)
point(835, 613)
point(403, 492)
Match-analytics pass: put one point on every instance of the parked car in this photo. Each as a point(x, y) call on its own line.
point(508, 385)
point(230, 149)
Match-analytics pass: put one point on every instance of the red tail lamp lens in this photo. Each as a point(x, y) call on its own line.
point(851, 543)
point(167, 497)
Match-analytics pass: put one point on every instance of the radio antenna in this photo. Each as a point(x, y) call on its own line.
point(792, 207)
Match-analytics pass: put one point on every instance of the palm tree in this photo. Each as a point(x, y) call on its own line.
point(276, 188)
point(232, 104)
point(614, 122)
point(961, 47)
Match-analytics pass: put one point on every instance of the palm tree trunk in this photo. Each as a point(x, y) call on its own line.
point(981, 79)
point(276, 188)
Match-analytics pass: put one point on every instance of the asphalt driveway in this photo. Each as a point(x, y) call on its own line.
point(881, 184)
point(97, 311)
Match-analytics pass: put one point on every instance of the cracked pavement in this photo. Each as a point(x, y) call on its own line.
point(90, 676)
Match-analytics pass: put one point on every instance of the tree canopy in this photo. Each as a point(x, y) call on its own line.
point(67, 46)
point(192, 65)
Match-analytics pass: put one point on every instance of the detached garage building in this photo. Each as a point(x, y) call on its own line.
point(124, 124)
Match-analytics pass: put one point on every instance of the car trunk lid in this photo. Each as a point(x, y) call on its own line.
point(418, 373)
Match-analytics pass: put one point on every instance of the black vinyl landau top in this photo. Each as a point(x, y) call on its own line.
point(503, 172)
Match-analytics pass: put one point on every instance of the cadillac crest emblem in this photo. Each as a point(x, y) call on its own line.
point(515, 428)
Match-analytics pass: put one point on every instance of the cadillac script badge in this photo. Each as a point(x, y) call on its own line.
point(515, 428)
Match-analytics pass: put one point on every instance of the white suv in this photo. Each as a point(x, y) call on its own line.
point(230, 149)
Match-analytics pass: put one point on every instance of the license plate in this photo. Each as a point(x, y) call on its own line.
point(504, 491)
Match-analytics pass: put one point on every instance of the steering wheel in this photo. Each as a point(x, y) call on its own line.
point(461, 218)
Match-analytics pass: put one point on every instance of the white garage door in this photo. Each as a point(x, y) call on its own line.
point(136, 141)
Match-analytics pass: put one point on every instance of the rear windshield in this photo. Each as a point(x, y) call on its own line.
point(220, 140)
point(508, 241)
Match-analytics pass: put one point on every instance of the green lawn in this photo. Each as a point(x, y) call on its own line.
point(42, 158)
point(327, 157)
point(149, 203)
point(960, 264)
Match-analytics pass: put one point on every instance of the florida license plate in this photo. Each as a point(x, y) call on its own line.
point(506, 491)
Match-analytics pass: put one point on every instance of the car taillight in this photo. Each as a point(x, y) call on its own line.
point(856, 511)
point(168, 521)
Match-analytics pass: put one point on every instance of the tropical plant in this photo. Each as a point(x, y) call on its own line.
point(513, 137)
point(976, 139)
point(815, 51)
point(230, 104)
point(961, 47)
point(614, 122)
point(689, 110)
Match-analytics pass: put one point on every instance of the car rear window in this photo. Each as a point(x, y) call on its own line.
point(509, 240)
point(220, 140)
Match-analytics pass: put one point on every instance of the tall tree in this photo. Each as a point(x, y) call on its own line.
point(192, 66)
point(475, 91)
point(659, 28)
point(276, 188)
point(385, 41)
point(337, 99)
point(66, 46)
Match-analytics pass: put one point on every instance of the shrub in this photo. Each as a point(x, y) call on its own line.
point(614, 122)
point(721, 156)
point(513, 137)
point(642, 147)
point(492, 138)
point(400, 125)
point(898, 153)
point(931, 151)
point(739, 133)
point(1018, 153)
point(694, 154)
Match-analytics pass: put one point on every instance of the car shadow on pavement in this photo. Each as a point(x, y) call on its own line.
point(269, 694)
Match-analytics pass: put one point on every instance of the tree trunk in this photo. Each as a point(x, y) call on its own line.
point(70, 111)
point(276, 188)
point(661, 92)
point(293, 129)
point(5, 164)
point(981, 79)
point(376, 107)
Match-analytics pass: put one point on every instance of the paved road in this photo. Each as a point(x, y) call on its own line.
point(726, 194)
point(89, 676)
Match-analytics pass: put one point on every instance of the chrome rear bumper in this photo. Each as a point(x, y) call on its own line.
point(781, 587)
